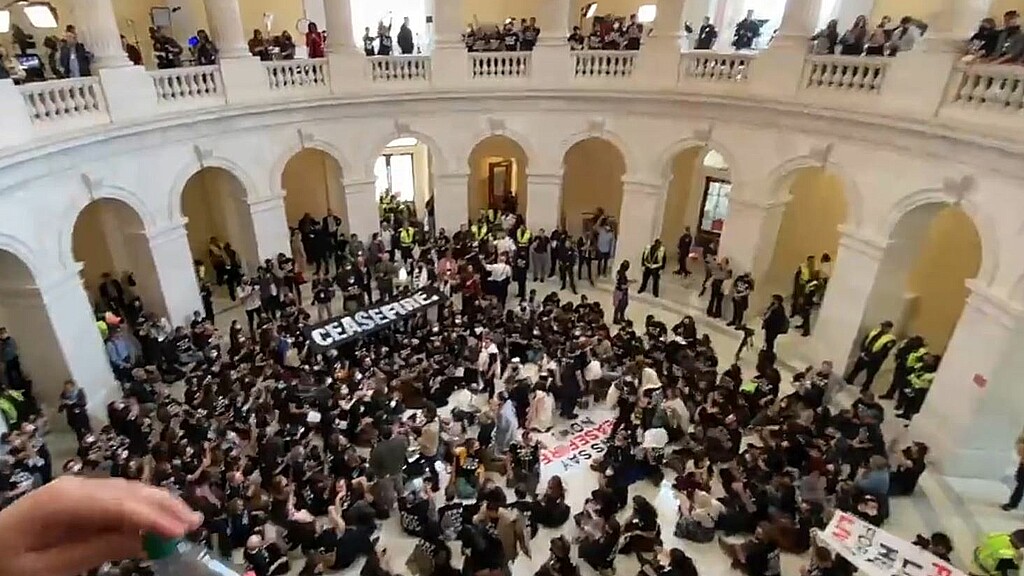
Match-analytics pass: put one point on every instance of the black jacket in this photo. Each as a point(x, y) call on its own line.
point(84, 60)
point(405, 41)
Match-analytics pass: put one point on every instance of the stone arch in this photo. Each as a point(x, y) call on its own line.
point(522, 140)
point(477, 178)
point(666, 160)
point(290, 151)
point(80, 202)
point(601, 133)
point(28, 257)
point(438, 157)
point(780, 191)
point(327, 177)
point(683, 175)
point(195, 166)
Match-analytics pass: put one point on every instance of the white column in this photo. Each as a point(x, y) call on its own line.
point(346, 61)
point(97, 30)
point(749, 234)
point(779, 69)
point(270, 226)
point(225, 21)
point(551, 62)
point(639, 218)
point(451, 200)
point(339, 26)
point(660, 55)
point(544, 204)
point(172, 260)
point(799, 19)
point(363, 211)
point(971, 416)
point(843, 316)
point(243, 75)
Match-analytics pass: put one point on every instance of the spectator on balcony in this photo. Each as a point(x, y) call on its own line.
point(576, 39)
point(983, 43)
point(825, 40)
point(314, 41)
point(285, 45)
point(258, 45)
point(530, 34)
point(852, 41)
point(706, 36)
point(510, 38)
point(405, 41)
point(904, 37)
point(368, 40)
point(1010, 45)
point(614, 39)
point(747, 30)
point(878, 38)
point(384, 42)
point(52, 45)
point(75, 60)
point(166, 49)
point(594, 40)
point(205, 51)
point(634, 33)
point(133, 52)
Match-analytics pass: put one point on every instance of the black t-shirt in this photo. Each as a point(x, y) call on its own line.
point(525, 457)
point(511, 40)
point(621, 281)
point(762, 559)
point(323, 295)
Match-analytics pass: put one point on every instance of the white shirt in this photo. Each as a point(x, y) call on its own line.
point(505, 244)
point(499, 271)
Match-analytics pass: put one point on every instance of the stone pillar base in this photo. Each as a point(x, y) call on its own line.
point(245, 80)
point(348, 72)
point(129, 92)
point(15, 125)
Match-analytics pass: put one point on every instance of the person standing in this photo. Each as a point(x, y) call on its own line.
point(405, 40)
point(323, 294)
point(232, 270)
point(368, 40)
point(11, 361)
point(620, 297)
point(719, 274)
point(406, 242)
point(501, 276)
point(605, 246)
point(1018, 488)
point(206, 51)
point(385, 272)
point(804, 275)
point(314, 41)
point(907, 358)
point(585, 252)
point(774, 322)
point(250, 295)
point(166, 50)
point(747, 30)
point(206, 294)
point(653, 260)
point(520, 269)
point(874, 349)
point(523, 237)
point(215, 252)
point(567, 262)
point(685, 242)
point(742, 286)
point(73, 403)
point(384, 42)
point(75, 60)
point(920, 381)
point(530, 34)
point(634, 34)
point(706, 36)
point(540, 256)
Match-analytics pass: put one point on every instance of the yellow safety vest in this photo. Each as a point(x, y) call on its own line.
point(407, 235)
point(658, 257)
point(523, 236)
point(915, 358)
point(479, 231)
point(805, 273)
point(880, 342)
point(749, 387)
point(492, 216)
point(995, 548)
point(922, 380)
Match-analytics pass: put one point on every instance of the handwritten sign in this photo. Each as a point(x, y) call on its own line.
point(875, 552)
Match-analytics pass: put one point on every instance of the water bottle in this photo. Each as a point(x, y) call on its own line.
point(173, 557)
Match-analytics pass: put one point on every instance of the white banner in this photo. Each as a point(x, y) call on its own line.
point(875, 552)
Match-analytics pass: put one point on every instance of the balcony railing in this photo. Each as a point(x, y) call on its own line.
point(992, 88)
point(715, 67)
point(845, 73)
point(603, 63)
point(66, 104)
point(399, 68)
point(188, 87)
point(499, 65)
point(303, 76)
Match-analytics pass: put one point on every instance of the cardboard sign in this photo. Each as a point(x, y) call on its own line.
point(875, 552)
point(340, 329)
point(585, 439)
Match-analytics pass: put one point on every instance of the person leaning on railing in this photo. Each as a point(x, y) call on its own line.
point(1010, 44)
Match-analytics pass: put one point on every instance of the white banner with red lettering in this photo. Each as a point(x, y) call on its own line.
point(875, 552)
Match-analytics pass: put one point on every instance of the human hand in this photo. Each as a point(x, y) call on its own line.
point(75, 524)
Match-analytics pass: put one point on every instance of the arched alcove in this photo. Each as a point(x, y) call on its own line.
point(497, 175)
point(591, 179)
point(816, 206)
point(313, 184)
point(403, 169)
point(214, 202)
point(697, 196)
point(109, 238)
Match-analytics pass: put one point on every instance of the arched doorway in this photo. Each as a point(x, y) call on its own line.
point(109, 240)
point(497, 176)
point(592, 172)
point(403, 170)
point(214, 203)
point(313, 184)
point(815, 208)
point(697, 198)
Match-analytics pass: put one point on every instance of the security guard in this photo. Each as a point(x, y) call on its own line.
point(804, 275)
point(492, 217)
point(999, 553)
point(478, 231)
point(874, 349)
point(653, 260)
point(908, 357)
point(523, 236)
point(920, 381)
point(567, 263)
point(406, 242)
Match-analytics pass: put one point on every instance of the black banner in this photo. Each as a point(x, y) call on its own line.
point(339, 330)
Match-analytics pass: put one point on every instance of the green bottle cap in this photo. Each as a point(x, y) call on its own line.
point(157, 547)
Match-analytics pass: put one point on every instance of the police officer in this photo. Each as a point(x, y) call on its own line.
point(520, 268)
point(567, 262)
point(999, 553)
point(920, 381)
point(478, 231)
point(1018, 489)
point(523, 236)
point(909, 355)
point(406, 242)
point(805, 305)
point(874, 349)
point(803, 276)
point(653, 261)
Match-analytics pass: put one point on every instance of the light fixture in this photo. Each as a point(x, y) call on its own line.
point(40, 15)
point(646, 13)
point(591, 9)
point(5, 21)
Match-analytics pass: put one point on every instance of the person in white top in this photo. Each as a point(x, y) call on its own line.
point(501, 277)
point(250, 295)
point(503, 244)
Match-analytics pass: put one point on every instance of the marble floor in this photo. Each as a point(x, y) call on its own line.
point(964, 509)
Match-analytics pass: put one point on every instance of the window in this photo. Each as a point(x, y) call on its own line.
point(715, 206)
point(646, 13)
point(394, 172)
